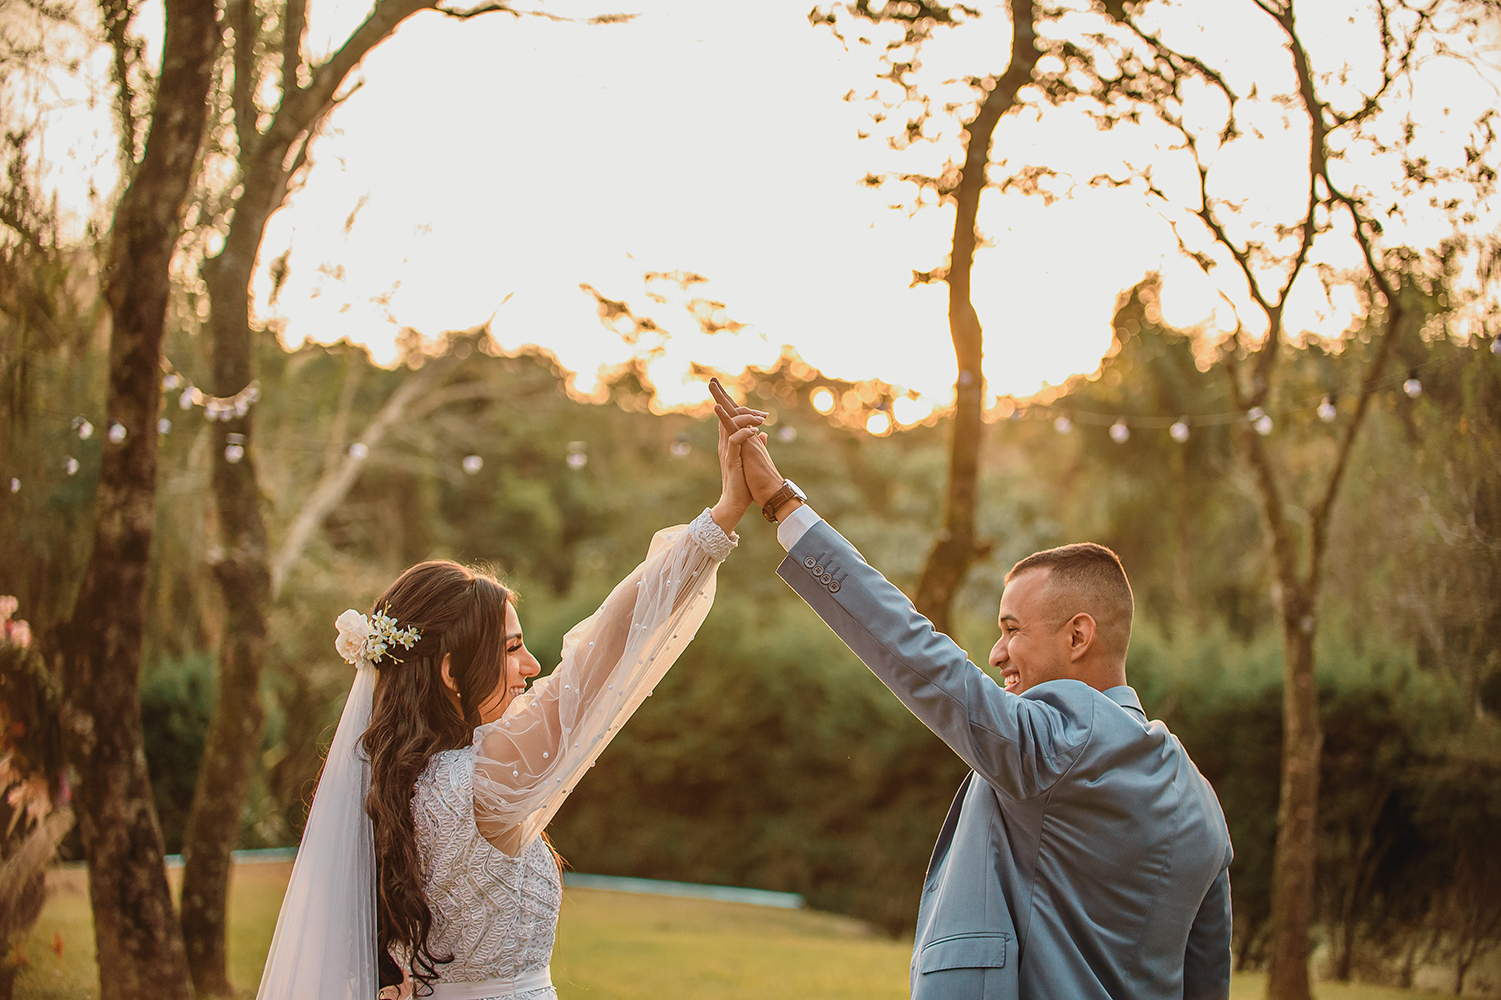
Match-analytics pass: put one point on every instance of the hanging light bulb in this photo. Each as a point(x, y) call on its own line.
point(1412, 386)
point(1327, 412)
point(1179, 431)
point(70, 465)
point(83, 427)
point(1063, 425)
point(1260, 421)
point(116, 432)
point(359, 451)
point(1119, 432)
point(233, 453)
point(472, 464)
point(577, 458)
point(15, 485)
point(681, 447)
point(164, 426)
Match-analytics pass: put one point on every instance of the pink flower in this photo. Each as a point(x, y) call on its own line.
point(19, 633)
point(8, 607)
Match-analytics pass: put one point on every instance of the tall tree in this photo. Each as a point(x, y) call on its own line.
point(267, 56)
point(136, 936)
point(1256, 262)
point(961, 184)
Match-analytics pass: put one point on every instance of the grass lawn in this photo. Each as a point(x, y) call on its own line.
point(610, 945)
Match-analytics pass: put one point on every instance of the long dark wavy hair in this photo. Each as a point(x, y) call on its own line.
point(460, 612)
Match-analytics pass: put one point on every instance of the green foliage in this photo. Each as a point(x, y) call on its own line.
point(769, 756)
point(177, 702)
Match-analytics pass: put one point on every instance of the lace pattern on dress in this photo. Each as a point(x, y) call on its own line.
point(527, 761)
point(495, 914)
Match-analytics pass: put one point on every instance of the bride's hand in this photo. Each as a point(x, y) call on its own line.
point(734, 497)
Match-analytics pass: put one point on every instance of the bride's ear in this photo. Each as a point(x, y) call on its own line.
point(445, 670)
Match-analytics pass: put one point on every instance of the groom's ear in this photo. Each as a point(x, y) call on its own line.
point(1081, 634)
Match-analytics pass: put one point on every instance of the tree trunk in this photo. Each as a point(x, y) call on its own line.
point(139, 949)
point(956, 548)
point(244, 571)
point(1297, 808)
point(244, 576)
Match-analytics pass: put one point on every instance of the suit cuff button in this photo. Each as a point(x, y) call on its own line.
point(809, 562)
point(834, 587)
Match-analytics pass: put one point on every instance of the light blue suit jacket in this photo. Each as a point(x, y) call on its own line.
point(1083, 857)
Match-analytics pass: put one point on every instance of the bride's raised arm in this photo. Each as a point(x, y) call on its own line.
point(527, 761)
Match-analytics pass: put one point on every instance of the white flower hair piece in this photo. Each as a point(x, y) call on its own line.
point(365, 641)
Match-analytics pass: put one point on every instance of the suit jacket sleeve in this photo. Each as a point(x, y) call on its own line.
point(1021, 746)
point(1206, 961)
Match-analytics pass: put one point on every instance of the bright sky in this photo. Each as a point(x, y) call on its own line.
point(489, 166)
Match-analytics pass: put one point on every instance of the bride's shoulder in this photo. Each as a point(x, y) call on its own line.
point(448, 773)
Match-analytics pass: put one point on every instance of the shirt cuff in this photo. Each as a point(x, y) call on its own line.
point(795, 525)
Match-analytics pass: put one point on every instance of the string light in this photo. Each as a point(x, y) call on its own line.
point(823, 399)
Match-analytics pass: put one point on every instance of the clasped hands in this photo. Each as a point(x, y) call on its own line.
point(748, 474)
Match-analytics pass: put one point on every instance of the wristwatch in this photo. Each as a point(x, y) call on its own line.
point(789, 491)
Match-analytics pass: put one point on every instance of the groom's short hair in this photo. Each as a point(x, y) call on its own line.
point(1086, 577)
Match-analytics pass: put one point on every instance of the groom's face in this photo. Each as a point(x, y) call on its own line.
point(1033, 648)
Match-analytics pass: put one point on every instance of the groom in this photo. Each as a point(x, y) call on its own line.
point(1084, 855)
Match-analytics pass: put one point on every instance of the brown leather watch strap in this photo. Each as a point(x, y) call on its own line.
point(789, 491)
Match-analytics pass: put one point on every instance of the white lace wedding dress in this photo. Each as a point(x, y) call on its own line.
point(495, 908)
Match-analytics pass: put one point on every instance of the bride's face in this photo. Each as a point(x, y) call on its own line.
point(520, 665)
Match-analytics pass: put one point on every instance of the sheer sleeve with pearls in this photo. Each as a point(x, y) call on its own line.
point(527, 761)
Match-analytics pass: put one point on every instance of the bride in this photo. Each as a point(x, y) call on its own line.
point(423, 862)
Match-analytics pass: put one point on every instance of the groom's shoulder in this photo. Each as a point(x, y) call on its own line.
point(1065, 694)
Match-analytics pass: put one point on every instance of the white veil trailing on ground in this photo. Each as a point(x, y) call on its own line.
point(324, 946)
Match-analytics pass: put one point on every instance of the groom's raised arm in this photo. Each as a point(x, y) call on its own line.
point(1021, 746)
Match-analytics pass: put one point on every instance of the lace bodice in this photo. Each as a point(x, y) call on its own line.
point(494, 913)
point(491, 882)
